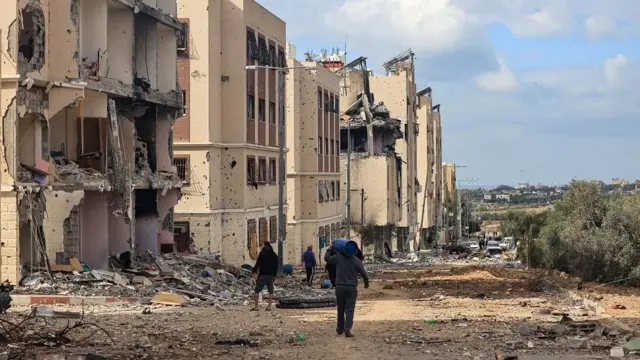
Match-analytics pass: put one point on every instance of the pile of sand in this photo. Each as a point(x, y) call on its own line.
point(474, 275)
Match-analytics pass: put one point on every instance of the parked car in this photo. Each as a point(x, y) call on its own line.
point(493, 247)
point(455, 249)
point(507, 243)
point(474, 245)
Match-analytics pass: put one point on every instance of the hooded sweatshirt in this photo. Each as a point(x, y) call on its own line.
point(347, 268)
point(267, 263)
point(309, 259)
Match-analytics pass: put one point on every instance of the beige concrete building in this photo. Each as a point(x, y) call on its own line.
point(89, 97)
point(449, 185)
point(227, 139)
point(372, 132)
point(397, 89)
point(313, 164)
point(437, 134)
point(426, 168)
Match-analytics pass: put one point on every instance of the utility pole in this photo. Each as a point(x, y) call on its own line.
point(362, 207)
point(281, 161)
point(460, 205)
point(456, 194)
point(348, 178)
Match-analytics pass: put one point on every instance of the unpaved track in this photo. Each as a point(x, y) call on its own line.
point(475, 309)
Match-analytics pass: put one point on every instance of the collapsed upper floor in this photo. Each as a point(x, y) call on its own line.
point(126, 48)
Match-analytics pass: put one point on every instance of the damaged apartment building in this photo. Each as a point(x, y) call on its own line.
point(227, 140)
point(316, 207)
point(429, 167)
point(89, 97)
point(387, 135)
point(370, 132)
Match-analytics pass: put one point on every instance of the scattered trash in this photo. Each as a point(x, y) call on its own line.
point(431, 321)
point(238, 342)
point(5, 297)
point(618, 307)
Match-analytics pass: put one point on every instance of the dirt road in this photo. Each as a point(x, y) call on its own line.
point(437, 313)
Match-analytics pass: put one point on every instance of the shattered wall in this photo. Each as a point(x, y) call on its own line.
point(426, 164)
point(48, 39)
point(165, 204)
point(165, 120)
point(9, 246)
point(59, 206)
point(119, 229)
point(377, 176)
point(95, 229)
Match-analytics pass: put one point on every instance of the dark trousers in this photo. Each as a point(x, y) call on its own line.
point(311, 272)
point(346, 297)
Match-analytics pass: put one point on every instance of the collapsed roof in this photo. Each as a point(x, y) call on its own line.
point(381, 118)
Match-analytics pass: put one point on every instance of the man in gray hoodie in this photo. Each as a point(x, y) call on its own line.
point(347, 270)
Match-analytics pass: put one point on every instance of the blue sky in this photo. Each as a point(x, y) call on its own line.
point(531, 90)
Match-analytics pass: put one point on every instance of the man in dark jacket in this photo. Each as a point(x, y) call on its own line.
point(310, 264)
point(347, 270)
point(267, 268)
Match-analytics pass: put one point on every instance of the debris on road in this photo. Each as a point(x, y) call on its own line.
point(238, 342)
point(170, 279)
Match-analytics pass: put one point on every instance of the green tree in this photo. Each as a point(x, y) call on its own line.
point(525, 226)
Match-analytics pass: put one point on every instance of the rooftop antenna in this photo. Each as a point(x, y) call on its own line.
point(345, 48)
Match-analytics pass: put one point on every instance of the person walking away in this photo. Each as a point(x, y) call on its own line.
point(347, 270)
point(267, 268)
point(310, 264)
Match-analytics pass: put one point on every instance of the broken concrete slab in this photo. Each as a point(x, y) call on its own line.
point(49, 312)
point(76, 264)
point(166, 298)
point(142, 280)
point(616, 352)
point(525, 329)
point(633, 346)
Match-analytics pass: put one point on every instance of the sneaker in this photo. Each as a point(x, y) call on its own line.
point(339, 332)
point(348, 334)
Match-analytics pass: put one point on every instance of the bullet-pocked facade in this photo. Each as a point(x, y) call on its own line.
point(89, 97)
point(316, 205)
point(427, 169)
point(397, 89)
point(227, 140)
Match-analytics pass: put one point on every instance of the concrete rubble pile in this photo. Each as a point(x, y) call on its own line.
point(196, 277)
point(201, 280)
point(585, 335)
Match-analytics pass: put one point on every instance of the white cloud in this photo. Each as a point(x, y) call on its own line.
point(430, 25)
point(598, 25)
point(452, 45)
point(502, 80)
point(612, 69)
point(550, 20)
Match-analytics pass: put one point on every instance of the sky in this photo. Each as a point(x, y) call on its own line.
point(538, 91)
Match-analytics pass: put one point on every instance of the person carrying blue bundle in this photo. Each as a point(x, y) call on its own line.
point(310, 264)
point(346, 284)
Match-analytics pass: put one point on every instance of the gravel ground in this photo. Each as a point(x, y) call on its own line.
point(476, 311)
